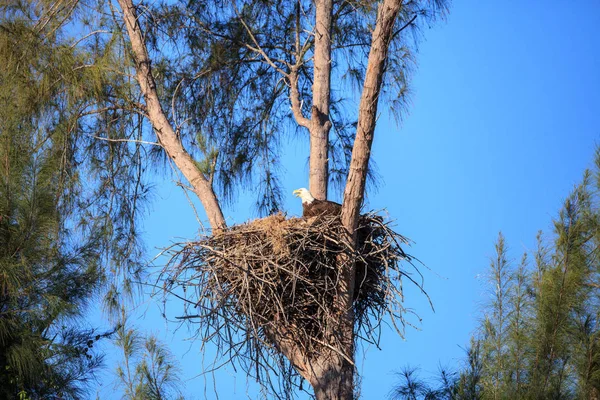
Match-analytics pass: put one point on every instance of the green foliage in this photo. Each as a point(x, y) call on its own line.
point(463, 385)
point(495, 324)
point(68, 205)
point(223, 70)
point(47, 277)
point(411, 387)
point(77, 151)
point(148, 370)
point(68, 107)
point(540, 333)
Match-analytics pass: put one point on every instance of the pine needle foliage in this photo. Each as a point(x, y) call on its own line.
point(540, 333)
point(229, 107)
point(69, 81)
point(62, 103)
point(226, 68)
point(495, 324)
point(147, 371)
point(67, 206)
point(47, 278)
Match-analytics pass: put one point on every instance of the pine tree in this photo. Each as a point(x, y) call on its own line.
point(519, 327)
point(148, 371)
point(47, 278)
point(561, 294)
point(495, 323)
point(138, 86)
point(50, 265)
point(539, 337)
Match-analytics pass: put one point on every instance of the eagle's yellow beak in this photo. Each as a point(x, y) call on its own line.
point(296, 192)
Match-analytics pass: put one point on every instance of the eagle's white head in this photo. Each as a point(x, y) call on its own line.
point(305, 195)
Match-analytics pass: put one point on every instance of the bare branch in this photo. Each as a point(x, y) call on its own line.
point(295, 99)
point(259, 49)
point(293, 76)
point(409, 23)
point(163, 129)
point(125, 140)
point(87, 36)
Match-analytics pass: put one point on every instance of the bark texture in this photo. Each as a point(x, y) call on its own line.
point(387, 14)
point(320, 123)
point(164, 131)
point(367, 112)
point(331, 374)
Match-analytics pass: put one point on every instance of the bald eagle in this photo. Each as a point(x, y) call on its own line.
point(312, 207)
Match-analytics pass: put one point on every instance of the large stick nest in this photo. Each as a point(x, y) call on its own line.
point(280, 275)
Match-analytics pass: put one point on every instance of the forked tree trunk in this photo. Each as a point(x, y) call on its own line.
point(332, 373)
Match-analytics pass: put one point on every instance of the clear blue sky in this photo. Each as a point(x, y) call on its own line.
point(504, 118)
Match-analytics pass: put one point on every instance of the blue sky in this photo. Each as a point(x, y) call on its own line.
point(503, 120)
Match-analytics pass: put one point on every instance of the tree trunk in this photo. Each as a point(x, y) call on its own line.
point(333, 379)
point(367, 113)
point(330, 374)
point(320, 123)
point(354, 192)
point(163, 129)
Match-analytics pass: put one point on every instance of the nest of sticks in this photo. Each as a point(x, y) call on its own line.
point(278, 274)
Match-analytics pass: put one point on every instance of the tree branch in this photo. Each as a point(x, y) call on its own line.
point(409, 23)
point(295, 99)
point(367, 113)
point(294, 78)
point(81, 39)
point(163, 129)
point(125, 140)
point(259, 49)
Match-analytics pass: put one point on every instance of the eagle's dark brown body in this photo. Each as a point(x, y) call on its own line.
point(321, 207)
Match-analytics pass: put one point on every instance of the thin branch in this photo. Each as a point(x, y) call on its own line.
point(413, 19)
point(258, 49)
point(87, 36)
point(125, 140)
point(294, 78)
